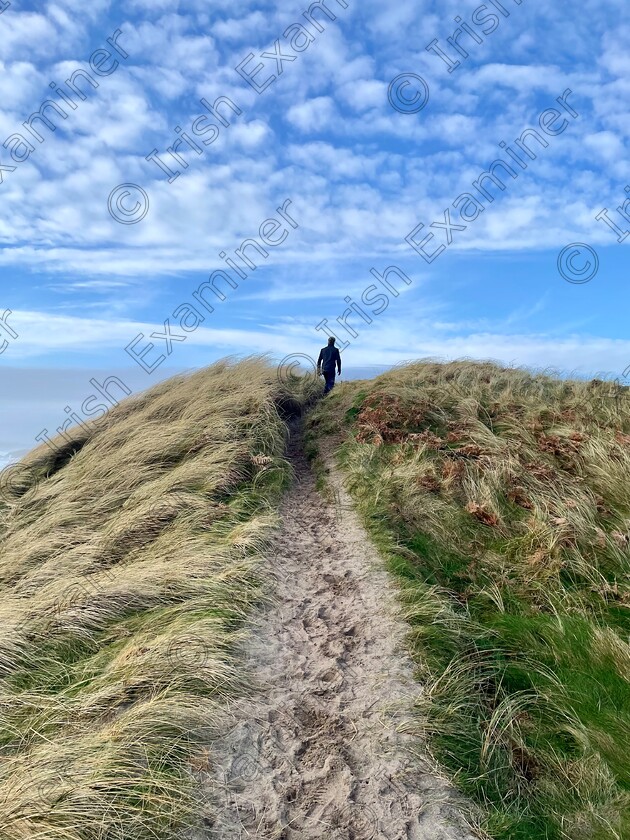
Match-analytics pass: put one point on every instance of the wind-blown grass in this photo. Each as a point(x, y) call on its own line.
point(130, 558)
point(502, 501)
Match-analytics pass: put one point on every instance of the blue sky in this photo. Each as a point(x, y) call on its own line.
point(359, 176)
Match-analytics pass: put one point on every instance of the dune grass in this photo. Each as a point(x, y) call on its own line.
point(130, 558)
point(502, 502)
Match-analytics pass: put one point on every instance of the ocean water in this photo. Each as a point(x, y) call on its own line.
point(34, 399)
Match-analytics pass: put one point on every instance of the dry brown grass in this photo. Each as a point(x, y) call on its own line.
point(128, 566)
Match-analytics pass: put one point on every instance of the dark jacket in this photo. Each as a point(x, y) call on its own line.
point(329, 357)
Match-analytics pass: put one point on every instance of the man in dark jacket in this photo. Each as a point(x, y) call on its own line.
point(329, 357)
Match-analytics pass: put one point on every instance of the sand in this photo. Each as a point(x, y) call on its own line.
point(325, 746)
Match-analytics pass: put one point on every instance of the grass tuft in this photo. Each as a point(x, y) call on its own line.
point(131, 556)
point(500, 499)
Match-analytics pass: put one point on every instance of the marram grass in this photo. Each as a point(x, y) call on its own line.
point(502, 501)
point(129, 561)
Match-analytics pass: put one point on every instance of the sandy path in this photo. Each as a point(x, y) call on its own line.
point(322, 751)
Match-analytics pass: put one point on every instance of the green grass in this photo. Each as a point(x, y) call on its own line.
point(498, 500)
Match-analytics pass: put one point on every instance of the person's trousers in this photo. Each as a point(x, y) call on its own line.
point(329, 378)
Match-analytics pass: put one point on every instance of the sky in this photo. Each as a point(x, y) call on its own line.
point(324, 176)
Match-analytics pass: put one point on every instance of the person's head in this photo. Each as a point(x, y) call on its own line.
point(331, 340)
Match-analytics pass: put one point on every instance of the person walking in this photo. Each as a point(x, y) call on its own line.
point(329, 357)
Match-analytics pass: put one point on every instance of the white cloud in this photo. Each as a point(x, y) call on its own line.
point(390, 339)
point(363, 94)
point(314, 114)
point(606, 144)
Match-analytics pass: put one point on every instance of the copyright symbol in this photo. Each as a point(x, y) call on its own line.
point(246, 768)
point(189, 652)
point(360, 821)
point(55, 787)
point(288, 367)
point(128, 204)
point(414, 100)
point(15, 480)
point(578, 263)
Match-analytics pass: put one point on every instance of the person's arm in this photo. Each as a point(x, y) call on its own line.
point(319, 361)
point(338, 363)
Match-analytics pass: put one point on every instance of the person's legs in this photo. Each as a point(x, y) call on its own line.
point(330, 380)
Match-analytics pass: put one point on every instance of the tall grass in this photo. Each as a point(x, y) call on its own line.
point(502, 500)
point(130, 557)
